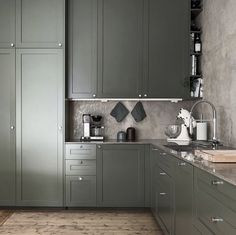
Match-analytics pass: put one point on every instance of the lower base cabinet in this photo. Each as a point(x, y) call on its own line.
point(80, 191)
point(120, 175)
point(81, 180)
point(171, 193)
point(215, 205)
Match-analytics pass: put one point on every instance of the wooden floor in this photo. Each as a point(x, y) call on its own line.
point(71, 222)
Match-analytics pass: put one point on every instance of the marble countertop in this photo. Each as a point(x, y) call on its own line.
point(225, 171)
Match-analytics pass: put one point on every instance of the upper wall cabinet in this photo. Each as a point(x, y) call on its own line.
point(7, 23)
point(40, 23)
point(167, 47)
point(82, 48)
point(120, 48)
point(128, 48)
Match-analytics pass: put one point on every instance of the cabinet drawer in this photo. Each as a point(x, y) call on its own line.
point(81, 167)
point(80, 151)
point(217, 188)
point(81, 191)
point(165, 161)
point(214, 215)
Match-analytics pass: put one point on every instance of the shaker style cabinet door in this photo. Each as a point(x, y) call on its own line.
point(40, 23)
point(7, 127)
point(7, 23)
point(82, 58)
point(39, 114)
point(167, 44)
point(183, 198)
point(120, 175)
point(120, 33)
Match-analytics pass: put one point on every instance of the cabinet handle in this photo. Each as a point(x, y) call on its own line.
point(140, 95)
point(216, 220)
point(94, 95)
point(81, 162)
point(99, 146)
point(217, 182)
point(80, 178)
point(12, 127)
point(181, 164)
point(162, 173)
point(60, 44)
point(59, 128)
point(163, 154)
point(12, 44)
point(155, 149)
point(162, 194)
point(145, 95)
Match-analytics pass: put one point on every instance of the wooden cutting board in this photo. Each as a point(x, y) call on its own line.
point(217, 155)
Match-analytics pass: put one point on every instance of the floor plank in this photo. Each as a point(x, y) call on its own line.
point(70, 222)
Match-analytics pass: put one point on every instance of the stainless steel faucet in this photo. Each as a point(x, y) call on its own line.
point(214, 120)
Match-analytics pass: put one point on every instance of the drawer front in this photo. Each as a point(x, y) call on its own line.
point(221, 190)
point(81, 191)
point(214, 215)
point(81, 167)
point(80, 151)
point(165, 161)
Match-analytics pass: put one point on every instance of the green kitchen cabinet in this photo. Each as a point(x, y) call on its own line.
point(7, 127)
point(183, 197)
point(163, 190)
point(171, 192)
point(120, 175)
point(215, 204)
point(81, 191)
point(40, 23)
point(39, 120)
point(82, 59)
point(128, 49)
point(81, 179)
point(120, 33)
point(166, 50)
point(7, 23)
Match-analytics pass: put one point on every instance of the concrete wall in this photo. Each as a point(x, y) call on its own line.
point(159, 115)
point(218, 21)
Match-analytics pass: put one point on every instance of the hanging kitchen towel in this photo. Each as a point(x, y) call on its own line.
point(119, 112)
point(138, 112)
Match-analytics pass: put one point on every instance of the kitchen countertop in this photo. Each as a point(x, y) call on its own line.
point(225, 171)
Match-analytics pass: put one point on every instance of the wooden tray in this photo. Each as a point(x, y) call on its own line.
point(217, 155)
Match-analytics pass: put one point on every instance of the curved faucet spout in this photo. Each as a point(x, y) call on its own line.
point(214, 119)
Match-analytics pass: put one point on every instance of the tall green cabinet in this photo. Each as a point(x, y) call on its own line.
point(7, 127)
point(31, 102)
point(39, 76)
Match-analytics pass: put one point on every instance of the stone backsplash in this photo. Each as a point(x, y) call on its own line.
point(159, 115)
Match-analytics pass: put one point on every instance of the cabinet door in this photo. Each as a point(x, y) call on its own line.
point(82, 48)
point(120, 172)
point(7, 23)
point(167, 44)
point(39, 81)
point(7, 130)
point(81, 191)
point(40, 23)
point(165, 201)
point(120, 48)
point(183, 198)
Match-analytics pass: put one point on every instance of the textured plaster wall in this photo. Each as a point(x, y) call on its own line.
point(218, 21)
point(159, 115)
